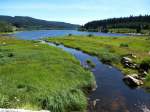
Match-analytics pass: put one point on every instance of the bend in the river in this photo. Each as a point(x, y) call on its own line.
point(111, 95)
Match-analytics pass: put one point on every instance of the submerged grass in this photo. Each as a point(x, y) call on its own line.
point(38, 76)
point(110, 50)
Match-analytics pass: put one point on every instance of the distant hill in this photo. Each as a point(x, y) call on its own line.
point(132, 23)
point(30, 23)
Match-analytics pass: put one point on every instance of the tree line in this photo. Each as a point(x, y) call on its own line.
point(5, 27)
point(132, 22)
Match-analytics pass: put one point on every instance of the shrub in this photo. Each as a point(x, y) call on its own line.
point(90, 35)
point(124, 45)
point(108, 58)
point(145, 65)
point(5, 27)
point(69, 34)
point(10, 55)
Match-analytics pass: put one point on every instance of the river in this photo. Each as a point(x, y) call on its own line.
point(112, 94)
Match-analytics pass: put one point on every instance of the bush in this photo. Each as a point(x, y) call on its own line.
point(5, 27)
point(145, 65)
point(108, 58)
point(10, 55)
point(124, 45)
point(90, 35)
point(69, 34)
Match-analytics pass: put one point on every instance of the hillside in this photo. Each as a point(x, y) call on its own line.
point(132, 24)
point(29, 23)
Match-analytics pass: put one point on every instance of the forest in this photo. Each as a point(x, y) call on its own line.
point(29, 23)
point(6, 27)
point(132, 24)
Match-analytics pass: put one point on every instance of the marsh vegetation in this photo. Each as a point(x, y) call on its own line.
point(37, 76)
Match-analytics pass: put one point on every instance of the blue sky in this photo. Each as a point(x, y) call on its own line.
point(74, 11)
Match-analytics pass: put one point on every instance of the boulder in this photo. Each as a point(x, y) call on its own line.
point(135, 76)
point(134, 56)
point(95, 102)
point(131, 81)
point(43, 42)
point(126, 60)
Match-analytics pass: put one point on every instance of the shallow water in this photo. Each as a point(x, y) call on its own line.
point(37, 34)
point(112, 94)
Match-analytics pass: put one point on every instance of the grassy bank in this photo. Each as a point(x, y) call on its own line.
point(128, 31)
point(111, 49)
point(38, 76)
point(2, 33)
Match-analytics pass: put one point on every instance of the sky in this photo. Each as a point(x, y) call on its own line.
point(74, 11)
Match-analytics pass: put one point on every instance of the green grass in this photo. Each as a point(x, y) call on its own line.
point(128, 30)
point(110, 50)
point(122, 30)
point(38, 76)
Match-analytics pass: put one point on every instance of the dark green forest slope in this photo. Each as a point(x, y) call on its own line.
point(28, 23)
point(132, 24)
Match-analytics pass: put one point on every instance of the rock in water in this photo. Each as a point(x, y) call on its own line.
point(132, 82)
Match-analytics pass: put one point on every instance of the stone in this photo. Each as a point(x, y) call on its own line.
point(43, 42)
point(135, 76)
point(133, 55)
point(4, 43)
point(131, 81)
point(95, 102)
point(36, 45)
point(145, 73)
point(127, 62)
point(126, 59)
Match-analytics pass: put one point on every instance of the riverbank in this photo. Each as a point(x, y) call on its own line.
point(3, 33)
point(132, 32)
point(37, 76)
point(112, 49)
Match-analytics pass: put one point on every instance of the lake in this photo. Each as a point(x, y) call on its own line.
point(37, 34)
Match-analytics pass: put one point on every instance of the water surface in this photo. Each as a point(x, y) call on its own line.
point(37, 34)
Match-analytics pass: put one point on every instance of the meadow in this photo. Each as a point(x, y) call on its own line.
point(128, 30)
point(37, 76)
point(110, 50)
